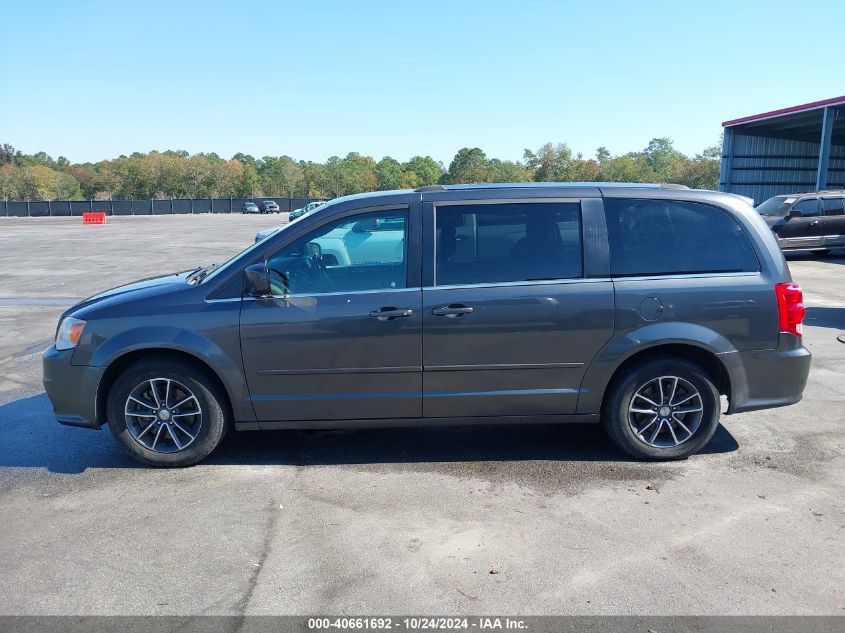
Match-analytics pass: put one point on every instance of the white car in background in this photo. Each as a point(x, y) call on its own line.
point(369, 240)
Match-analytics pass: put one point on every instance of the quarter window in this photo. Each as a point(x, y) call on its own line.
point(499, 243)
point(668, 237)
point(834, 206)
point(807, 208)
point(352, 254)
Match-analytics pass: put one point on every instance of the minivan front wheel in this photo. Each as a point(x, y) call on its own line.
point(166, 412)
point(662, 409)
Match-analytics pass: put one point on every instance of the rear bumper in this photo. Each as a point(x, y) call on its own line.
point(763, 379)
point(71, 388)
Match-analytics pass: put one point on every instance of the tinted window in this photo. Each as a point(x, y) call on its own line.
point(653, 237)
point(361, 252)
point(807, 208)
point(833, 206)
point(497, 243)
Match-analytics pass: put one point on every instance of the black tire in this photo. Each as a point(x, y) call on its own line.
point(210, 426)
point(620, 395)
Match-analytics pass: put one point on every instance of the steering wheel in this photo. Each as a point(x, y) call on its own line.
point(303, 275)
point(325, 280)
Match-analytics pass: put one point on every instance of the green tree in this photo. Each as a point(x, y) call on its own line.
point(291, 176)
point(67, 187)
point(602, 154)
point(7, 154)
point(248, 185)
point(470, 165)
point(389, 173)
point(701, 172)
point(314, 177)
point(421, 171)
point(357, 173)
point(507, 171)
point(661, 157)
point(551, 163)
point(38, 183)
point(178, 174)
point(109, 177)
point(10, 180)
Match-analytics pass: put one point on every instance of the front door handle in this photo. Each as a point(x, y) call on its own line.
point(814, 222)
point(452, 311)
point(390, 313)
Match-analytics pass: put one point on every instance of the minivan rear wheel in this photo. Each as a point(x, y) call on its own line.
point(662, 409)
point(166, 412)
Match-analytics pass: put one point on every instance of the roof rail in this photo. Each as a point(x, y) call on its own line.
point(672, 185)
point(430, 188)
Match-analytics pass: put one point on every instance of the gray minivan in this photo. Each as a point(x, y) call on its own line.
point(634, 306)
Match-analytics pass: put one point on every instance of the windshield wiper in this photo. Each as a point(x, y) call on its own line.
point(200, 273)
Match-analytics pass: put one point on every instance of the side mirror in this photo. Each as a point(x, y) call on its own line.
point(794, 213)
point(257, 280)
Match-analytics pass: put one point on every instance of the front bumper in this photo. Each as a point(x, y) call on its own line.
point(763, 379)
point(72, 388)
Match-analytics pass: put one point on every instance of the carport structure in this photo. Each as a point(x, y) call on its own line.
point(791, 150)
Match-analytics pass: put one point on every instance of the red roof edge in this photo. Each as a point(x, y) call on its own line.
point(799, 108)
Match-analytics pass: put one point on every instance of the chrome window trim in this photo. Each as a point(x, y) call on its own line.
point(224, 300)
point(538, 282)
point(466, 201)
point(324, 294)
point(686, 276)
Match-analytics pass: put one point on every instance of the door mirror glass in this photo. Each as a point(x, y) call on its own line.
point(257, 280)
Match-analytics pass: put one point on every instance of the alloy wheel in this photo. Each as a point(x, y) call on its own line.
point(163, 415)
point(665, 411)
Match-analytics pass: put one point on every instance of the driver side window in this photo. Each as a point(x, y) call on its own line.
point(808, 208)
point(352, 254)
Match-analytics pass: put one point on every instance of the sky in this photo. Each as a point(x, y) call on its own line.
point(311, 79)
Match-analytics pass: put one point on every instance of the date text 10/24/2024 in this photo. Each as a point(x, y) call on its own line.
point(417, 623)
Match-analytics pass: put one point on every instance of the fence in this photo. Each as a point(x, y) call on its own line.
point(168, 206)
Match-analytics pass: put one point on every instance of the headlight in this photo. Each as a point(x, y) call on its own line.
point(70, 331)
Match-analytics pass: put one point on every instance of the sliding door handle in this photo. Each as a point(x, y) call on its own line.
point(452, 311)
point(388, 314)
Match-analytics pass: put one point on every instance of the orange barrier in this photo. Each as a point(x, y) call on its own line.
point(95, 217)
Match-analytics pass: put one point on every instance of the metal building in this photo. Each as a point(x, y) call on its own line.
point(792, 150)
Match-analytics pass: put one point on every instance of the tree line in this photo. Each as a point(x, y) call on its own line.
point(178, 174)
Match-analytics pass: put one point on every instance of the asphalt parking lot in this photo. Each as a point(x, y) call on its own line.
point(527, 520)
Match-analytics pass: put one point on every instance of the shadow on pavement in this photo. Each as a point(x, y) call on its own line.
point(835, 257)
point(30, 437)
point(825, 317)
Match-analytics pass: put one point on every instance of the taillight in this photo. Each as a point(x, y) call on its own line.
point(790, 308)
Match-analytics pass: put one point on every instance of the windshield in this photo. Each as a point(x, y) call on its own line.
point(775, 207)
point(253, 247)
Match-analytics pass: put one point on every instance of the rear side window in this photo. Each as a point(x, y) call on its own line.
point(670, 237)
point(808, 208)
point(834, 206)
point(498, 243)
